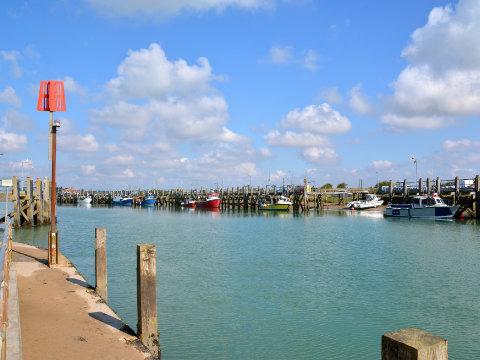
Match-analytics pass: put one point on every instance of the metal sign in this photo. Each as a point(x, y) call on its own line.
point(51, 96)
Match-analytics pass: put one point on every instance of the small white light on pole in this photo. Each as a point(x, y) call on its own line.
point(414, 159)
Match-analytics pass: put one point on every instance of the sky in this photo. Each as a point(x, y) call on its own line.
point(190, 93)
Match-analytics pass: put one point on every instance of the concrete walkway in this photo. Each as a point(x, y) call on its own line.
point(61, 317)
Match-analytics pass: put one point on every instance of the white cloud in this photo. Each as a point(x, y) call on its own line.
point(247, 169)
point(77, 143)
point(73, 86)
point(128, 173)
point(280, 55)
point(294, 139)
point(319, 119)
point(12, 142)
point(9, 96)
point(415, 122)
point(442, 79)
point(165, 8)
point(25, 164)
point(331, 96)
point(278, 175)
point(88, 170)
point(120, 160)
point(382, 164)
point(462, 144)
point(12, 58)
point(358, 101)
point(228, 135)
point(319, 154)
point(16, 120)
point(310, 60)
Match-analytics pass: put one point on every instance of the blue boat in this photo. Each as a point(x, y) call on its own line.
point(149, 200)
point(117, 200)
point(126, 201)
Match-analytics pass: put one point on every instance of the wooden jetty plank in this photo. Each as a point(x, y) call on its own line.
point(101, 278)
point(147, 297)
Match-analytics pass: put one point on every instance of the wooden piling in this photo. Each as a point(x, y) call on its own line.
point(413, 344)
point(30, 200)
point(46, 200)
point(420, 183)
point(405, 189)
point(477, 197)
point(17, 204)
point(457, 189)
point(147, 298)
point(39, 201)
point(390, 191)
point(429, 186)
point(101, 282)
point(438, 185)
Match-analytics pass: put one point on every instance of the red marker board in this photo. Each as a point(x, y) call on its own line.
point(51, 96)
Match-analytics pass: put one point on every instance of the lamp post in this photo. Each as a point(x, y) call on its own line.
point(414, 159)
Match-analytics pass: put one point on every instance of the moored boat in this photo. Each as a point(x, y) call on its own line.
point(423, 206)
point(283, 204)
point(370, 201)
point(85, 201)
point(117, 200)
point(126, 201)
point(189, 203)
point(211, 202)
point(149, 200)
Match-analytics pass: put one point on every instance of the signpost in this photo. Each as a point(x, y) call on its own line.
point(51, 98)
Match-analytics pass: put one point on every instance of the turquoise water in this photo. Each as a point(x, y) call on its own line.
point(251, 286)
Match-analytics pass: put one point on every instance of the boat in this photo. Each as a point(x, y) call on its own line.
point(117, 200)
point(189, 203)
point(85, 201)
point(149, 200)
point(282, 204)
point(211, 202)
point(126, 201)
point(370, 201)
point(423, 206)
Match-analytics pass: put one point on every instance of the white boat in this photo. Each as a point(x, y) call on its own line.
point(282, 204)
point(85, 201)
point(423, 206)
point(370, 201)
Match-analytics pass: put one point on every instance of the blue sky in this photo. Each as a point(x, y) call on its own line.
point(193, 92)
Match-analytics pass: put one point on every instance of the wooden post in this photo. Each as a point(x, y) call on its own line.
point(39, 201)
point(17, 205)
point(101, 263)
point(420, 183)
point(457, 189)
point(413, 344)
point(147, 298)
point(477, 197)
point(390, 190)
point(46, 200)
point(30, 202)
point(438, 185)
point(429, 186)
point(405, 189)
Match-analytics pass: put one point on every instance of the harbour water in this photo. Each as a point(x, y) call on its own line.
point(234, 285)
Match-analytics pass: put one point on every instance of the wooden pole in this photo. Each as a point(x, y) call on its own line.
point(429, 186)
point(438, 185)
point(39, 201)
point(46, 200)
point(147, 298)
point(420, 183)
point(390, 191)
point(29, 198)
point(101, 282)
point(457, 189)
point(17, 205)
point(53, 234)
point(477, 197)
point(413, 344)
point(405, 189)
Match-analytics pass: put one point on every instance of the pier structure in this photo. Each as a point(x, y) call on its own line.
point(461, 191)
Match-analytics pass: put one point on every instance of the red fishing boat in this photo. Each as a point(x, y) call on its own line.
point(211, 202)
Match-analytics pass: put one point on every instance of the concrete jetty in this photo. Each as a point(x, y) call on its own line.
point(61, 316)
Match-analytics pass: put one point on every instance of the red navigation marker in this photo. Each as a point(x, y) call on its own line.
point(51, 96)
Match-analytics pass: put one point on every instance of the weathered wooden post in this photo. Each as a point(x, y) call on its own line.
point(438, 185)
point(420, 183)
point(101, 283)
point(147, 298)
point(477, 197)
point(413, 344)
point(46, 200)
point(457, 189)
point(17, 204)
point(405, 189)
point(429, 186)
point(29, 198)
point(39, 201)
point(390, 191)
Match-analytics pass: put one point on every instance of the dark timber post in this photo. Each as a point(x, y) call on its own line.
point(438, 185)
point(39, 201)
point(457, 189)
point(413, 344)
point(30, 201)
point(17, 204)
point(390, 190)
point(405, 189)
point(429, 186)
point(420, 186)
point(477, 197)
point(101, 283)
point(147, 298)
